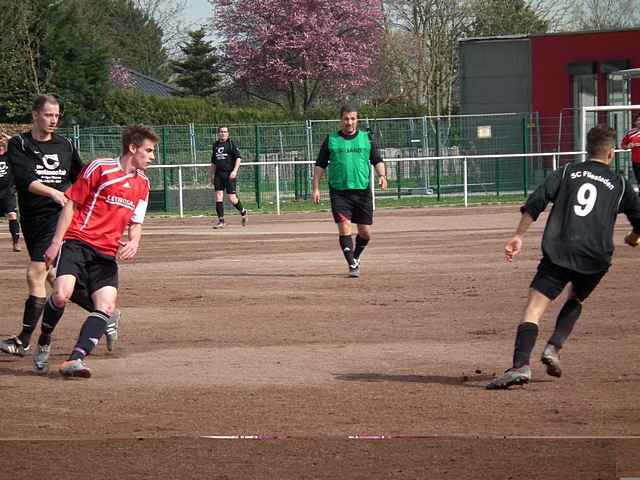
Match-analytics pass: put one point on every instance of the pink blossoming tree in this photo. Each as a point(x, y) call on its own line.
point(289, 52)
point(119, 75)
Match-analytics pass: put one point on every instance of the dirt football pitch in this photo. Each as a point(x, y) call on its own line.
point(258, 331)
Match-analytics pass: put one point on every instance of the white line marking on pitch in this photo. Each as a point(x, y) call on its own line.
point(417, 436)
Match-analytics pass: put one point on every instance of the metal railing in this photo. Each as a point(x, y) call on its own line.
point(437, 176)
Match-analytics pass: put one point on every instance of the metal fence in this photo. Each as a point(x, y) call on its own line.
point(498, 149)
point(400, 137)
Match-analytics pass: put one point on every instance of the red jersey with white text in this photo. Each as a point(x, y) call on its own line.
point(632, 140)
point(107, 199)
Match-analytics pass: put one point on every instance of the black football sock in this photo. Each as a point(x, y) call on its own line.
point(346, 244)
point(14, 228)
point(525, 341)
point(239, 207)
point(50, 318)
point(92, 330)
point(81, 297)
point(361, 243)
point(32, 310)
point(220, 211)
point(567, 318)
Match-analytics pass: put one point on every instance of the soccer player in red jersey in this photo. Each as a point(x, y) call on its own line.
point(109, 196)
point(631, 140)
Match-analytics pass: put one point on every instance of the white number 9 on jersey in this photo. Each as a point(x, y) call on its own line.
point(586, 198)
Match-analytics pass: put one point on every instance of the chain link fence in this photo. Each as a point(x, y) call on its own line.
point(404, 142)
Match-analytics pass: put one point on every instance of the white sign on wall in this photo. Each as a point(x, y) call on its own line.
point(484, 131)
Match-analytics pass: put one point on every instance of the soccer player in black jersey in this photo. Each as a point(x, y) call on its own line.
point(8, 195)
point(577, 246)
point(223, 174)
point(44, 165)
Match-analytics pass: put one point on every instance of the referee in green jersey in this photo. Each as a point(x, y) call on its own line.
point(348, 155)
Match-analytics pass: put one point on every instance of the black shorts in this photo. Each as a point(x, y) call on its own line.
point(93, 270)
point(221, 181)
point(551, 279)
point(636, 172)
point(7, 202)
point(38, 233)
point(355, 206)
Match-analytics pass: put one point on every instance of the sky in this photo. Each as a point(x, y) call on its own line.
point(197, 11)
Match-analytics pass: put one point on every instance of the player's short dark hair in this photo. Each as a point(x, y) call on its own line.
point(41, 100)
point(136, 135)
point(220, 127)
point(348, 108)
point(600, 139)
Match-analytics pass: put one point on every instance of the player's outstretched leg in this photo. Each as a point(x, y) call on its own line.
point(111, 334)
point(19, 345)
point(220, 214)
point(50, 318)
point(526, 336)
point(362, 240)
point(361, 244)
point(346, 245)
point(565, 322)
point(520, 372)
point(243, 211)
point(92, 330)
point(81, 298)
point(14, 229)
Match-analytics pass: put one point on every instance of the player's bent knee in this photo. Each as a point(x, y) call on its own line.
point(59, 299)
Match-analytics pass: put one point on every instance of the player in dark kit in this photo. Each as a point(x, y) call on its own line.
point(8, 196)
point(223, 174)
point(577, 247)
point(44, 165)
point(349, 154)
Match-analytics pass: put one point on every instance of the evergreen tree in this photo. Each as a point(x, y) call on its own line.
point(130, 35)
point(46, 48)
point(79, 65)
point(197, 72)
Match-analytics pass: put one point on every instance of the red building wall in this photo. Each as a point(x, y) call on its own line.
point(551, 54)
point(551, 85)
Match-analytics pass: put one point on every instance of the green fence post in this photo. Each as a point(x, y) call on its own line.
point(257, 169)
point(497, 177)
point(525, 149)
point(438, 161)
point(399, 178)
point(165, 155)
